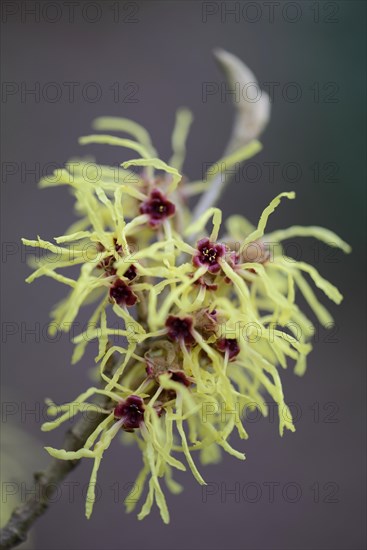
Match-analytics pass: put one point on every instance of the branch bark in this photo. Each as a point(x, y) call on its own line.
point(47, 481)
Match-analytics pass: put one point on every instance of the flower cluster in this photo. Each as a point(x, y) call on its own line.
point(204, 323)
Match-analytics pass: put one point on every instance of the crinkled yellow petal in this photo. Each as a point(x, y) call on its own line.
point(183, 122)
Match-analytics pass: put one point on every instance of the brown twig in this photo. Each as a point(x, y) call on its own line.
point(47, 481)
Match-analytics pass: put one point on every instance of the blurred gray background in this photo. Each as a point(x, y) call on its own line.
point(142, 60)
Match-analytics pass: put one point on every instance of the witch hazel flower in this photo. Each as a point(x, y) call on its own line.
point(229, 346)
point(131, 273)
point(130, 412)
point(158, 208)
point(122, 294)
point(208, 255)
point(180, 377)
point(166, 358)
point(180, 329)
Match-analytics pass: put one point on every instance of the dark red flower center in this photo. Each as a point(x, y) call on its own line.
point(229, 345)
point(208, 254)
point(158, 208)
point(122, 293)
point(180, 377)
point(130, 273)
point(180, 330)
point(131, 410)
